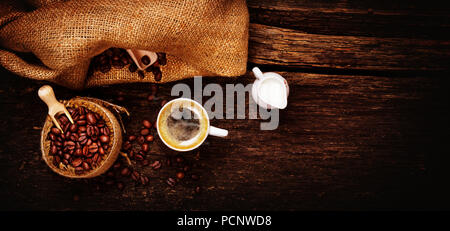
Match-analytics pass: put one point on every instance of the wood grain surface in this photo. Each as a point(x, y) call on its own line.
point(366, 125)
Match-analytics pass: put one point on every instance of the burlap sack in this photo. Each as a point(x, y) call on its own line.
point(200, 37)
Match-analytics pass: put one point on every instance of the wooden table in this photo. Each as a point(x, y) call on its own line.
point(366, 126)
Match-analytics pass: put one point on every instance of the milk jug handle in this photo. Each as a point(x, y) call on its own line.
point(258, 73)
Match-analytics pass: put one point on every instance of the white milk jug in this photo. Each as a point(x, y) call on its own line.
point(270, 90)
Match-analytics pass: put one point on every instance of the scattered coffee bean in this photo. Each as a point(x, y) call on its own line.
point(157, 74)
point(141, 139)
point(180, 175)
point(197, 189)
point(156, 165)
point(145, 162)
point(131, 138)
point(171, 182)
point(145, 132)
point(144, 180)
point(135, 176)
point(145, 147)
point(125, 171)
point(146, 124)
point(149, 138)
point(150, 97)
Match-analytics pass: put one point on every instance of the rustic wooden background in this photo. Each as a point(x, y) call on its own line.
point(366, 126)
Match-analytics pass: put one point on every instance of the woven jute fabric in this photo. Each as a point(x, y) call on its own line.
point(200, 37)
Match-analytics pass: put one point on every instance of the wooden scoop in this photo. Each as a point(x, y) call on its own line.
point(137, 55)
point(47, 95)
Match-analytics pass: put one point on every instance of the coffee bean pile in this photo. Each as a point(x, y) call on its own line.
point(119, 58)
point(82, 145)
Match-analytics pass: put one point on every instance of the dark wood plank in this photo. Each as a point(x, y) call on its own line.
point(344, 142)
point(291, 48)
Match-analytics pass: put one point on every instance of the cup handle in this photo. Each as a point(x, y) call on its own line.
point(214, 131)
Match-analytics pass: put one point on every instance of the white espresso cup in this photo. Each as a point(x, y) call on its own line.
point(184, 130)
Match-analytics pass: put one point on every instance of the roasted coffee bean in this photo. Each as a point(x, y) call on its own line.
point(131, 138)
point(125, 171)
point(145, 60)
point(144, 180)
point(197, 189)
point(141, 74)
point(82, 129)
point(139, 157)
point(156, 165)
point(55, 131)
point(157, 73)
point(145, 132)
point(81, 122)
point(96, 158)
point(104, 139)
point(78, 152)
point(91, 118)
point(146, 124)
point(162, 58)
point(66, 156)
point(93, 148)
point(180, 175)
point(150, 97)
point(145, 162)
point(171, 182)
point(86, 166)
point(145, 147)
point(149, 138)
point(132, 67)
point(101, 151)
point(73, 127)
point(141, 139)
point(53, 150)
point(52, 136)
point(77, 162)
point(135, 176)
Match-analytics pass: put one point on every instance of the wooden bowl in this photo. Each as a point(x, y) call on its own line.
point(111, 154)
